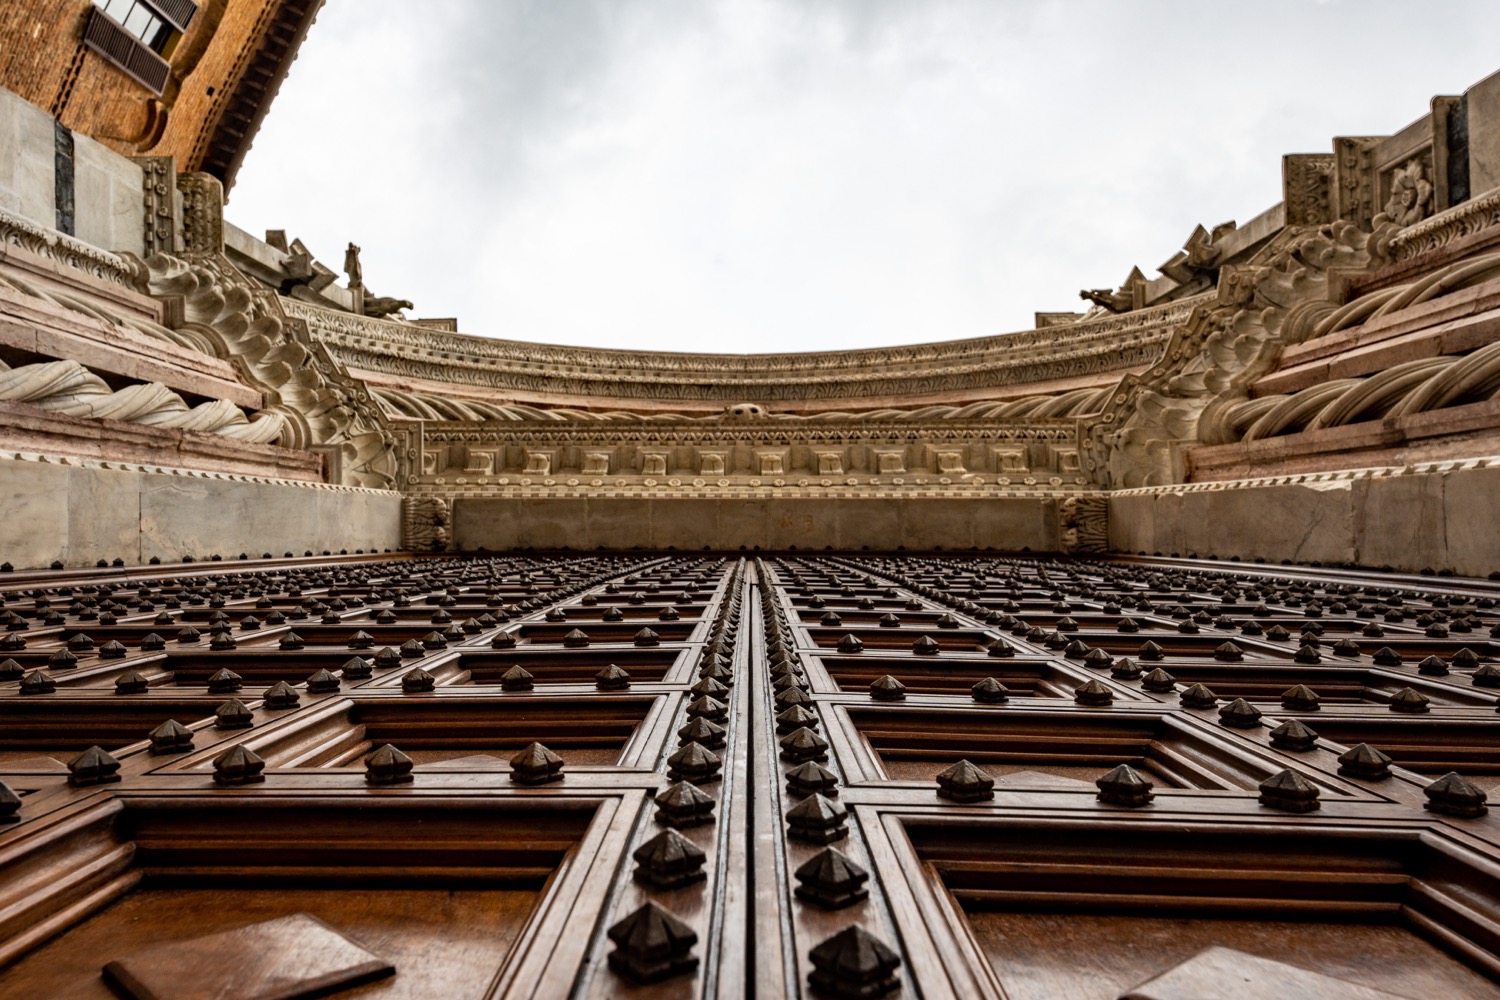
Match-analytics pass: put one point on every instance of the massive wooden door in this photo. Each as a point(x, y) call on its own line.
point(670, 776)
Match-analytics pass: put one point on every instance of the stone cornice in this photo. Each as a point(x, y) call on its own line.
point(1107, 344)
point(65, 249)
point(1447, 227)
point(760, 433)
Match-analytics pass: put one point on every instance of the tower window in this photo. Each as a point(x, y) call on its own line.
point(137, 37)
point(140, 20)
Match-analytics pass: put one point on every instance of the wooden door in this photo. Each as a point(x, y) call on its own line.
point(687, 776)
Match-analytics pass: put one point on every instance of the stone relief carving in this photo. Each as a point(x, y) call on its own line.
point(1273, 301)
point(159, 198)
point(202, 213)
point(50, 244)
point(1447, 227)
point(1354, 180)
point(1305, 185)
point(89, 308)
point(1090, 347)
point(1083, 523)
point(1411, 195)
point(426, 523)
point(322, 406)
point(401, 405)
point(950, 463)
point(1415, 386)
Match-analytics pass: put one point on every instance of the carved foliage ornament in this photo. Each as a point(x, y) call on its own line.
point(323, 406)
point(1263, 306)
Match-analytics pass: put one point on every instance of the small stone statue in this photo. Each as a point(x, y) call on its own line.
point(352, 267)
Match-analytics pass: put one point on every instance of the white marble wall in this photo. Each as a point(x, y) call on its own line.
point(108, 210)
point(27, 154)
point(81, 514)
point(1437, 520)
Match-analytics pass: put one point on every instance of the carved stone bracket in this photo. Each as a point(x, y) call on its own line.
point(426, 524)
point(1263, 306)
point(325, 408)
point(1083, 523)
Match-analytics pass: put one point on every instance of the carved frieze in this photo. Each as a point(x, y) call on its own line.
point(1091, 347)
point(202, 213)
point(1440, 230)
point(163, 219)
point(21, 232)
point(1306, 181)
point(1354, 180)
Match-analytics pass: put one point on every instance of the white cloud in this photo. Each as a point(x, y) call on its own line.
point(767, 175)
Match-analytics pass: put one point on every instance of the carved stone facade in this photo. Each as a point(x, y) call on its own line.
point(682, 651)
point(1252, 344)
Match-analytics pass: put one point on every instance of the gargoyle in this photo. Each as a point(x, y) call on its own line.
point(1115, 302)
point(379, 305)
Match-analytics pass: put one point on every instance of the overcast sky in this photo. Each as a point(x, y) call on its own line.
point(771, 175)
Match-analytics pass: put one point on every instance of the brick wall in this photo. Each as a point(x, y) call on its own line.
point(43, 59)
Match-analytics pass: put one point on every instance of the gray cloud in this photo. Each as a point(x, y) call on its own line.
point(755, 175)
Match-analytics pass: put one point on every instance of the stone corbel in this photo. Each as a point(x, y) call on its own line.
point(712, 463)
point(653, 463)
point(830, 463)
point(770, 463)
point(596, 463)
point(949, 463)
point(538, 463)
point(481, 462)
point(1011, 459)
